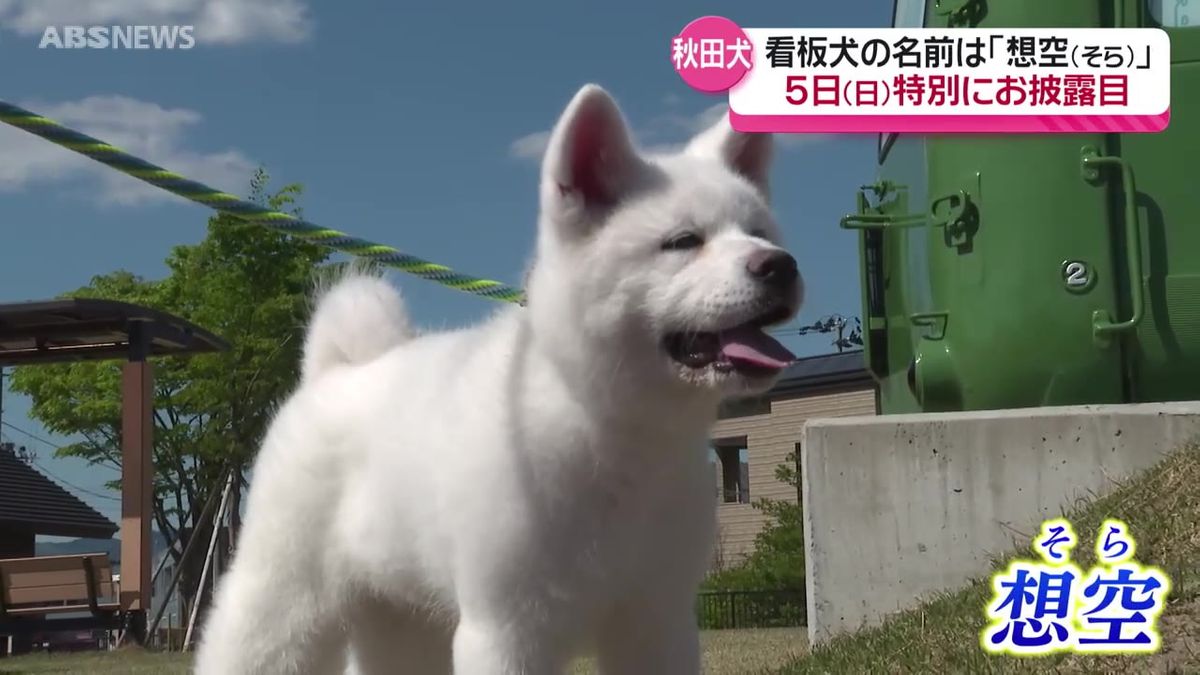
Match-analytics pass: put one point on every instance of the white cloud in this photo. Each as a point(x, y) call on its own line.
point(665, 133)
point(530, 146)
point(216, 21)
point(145, 129)
point(705, 118)
point(691, 125)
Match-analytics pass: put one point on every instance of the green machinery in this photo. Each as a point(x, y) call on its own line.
point(1037, 270)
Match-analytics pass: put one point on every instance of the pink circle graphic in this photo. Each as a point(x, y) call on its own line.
point(712, 54)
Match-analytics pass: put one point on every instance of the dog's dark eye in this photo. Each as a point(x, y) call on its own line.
point(683, 241)
point(758, 233)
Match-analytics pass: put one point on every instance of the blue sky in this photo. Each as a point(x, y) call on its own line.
point(415, 126)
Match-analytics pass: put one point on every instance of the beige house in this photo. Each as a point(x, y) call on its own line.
point(755, 436)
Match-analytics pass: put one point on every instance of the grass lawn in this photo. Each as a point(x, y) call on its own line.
point(1161, 507)
point(127, 661)
point(731, 652)
point(739, 652)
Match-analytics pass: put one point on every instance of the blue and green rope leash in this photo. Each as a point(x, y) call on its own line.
point(226, 203)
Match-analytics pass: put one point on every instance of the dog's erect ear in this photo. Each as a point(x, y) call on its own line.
point(590, 160)
point(746, 154)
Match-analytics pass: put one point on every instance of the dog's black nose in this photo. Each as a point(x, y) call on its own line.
point(773, 267)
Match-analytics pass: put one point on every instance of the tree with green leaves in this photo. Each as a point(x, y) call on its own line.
point(247, 284)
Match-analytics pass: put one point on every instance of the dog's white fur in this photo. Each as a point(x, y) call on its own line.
point(496, 499)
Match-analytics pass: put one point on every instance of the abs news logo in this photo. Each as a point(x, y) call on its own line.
point(118, 37)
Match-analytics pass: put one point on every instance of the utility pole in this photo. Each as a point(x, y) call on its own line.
point(21, 452)
point(834, 323)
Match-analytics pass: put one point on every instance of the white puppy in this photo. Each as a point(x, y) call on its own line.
point(498, 499)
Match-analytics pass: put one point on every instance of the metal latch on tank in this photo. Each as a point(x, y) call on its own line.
point(931, 324)
point(1104, 327)
point(957, 213)
point(889, 198)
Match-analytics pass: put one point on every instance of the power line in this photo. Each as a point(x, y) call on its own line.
point(26, 433)
point(73, 486)
point(52, 474)
point(834, 323)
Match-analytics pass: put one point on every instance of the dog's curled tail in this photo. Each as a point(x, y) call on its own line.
point(357, 317)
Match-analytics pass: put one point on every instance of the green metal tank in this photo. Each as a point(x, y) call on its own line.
point(1013, 271)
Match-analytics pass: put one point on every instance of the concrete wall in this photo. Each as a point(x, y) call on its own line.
point(769, 437)
point(898, 507)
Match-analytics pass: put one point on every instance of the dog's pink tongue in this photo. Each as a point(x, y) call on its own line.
point(750, 345)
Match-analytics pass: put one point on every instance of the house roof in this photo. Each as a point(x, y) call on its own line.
point(846, 369)
point(76, 329)
point(805, 377)
point(31, 502)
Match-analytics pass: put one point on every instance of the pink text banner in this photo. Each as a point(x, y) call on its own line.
point(1060, 80)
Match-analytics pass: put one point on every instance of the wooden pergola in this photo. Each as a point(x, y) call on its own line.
point(31, 504)
point(55, 331)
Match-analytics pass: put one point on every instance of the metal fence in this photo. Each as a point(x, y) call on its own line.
point(717, 610)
